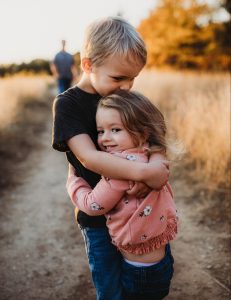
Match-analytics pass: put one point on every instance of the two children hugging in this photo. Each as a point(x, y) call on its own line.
point(131, 127)
point(113, 55)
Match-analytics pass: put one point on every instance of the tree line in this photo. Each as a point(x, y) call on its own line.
point(36, 66)
point(183, 34)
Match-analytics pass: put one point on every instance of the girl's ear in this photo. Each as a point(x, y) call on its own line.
point(145, 136)
point(142, 140)
point(86, 65)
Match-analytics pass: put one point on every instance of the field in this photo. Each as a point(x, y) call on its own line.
point(197, 110)
point(42, 253)
point(24, 101)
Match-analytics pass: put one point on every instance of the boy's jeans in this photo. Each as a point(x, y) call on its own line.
point(105, 263)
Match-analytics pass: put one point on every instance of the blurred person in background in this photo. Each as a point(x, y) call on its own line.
point(63, 68)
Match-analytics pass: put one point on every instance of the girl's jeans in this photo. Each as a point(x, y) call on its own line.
point(105, 263)
point(148, 283)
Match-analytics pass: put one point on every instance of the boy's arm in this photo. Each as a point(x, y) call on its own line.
point(99, 200)
point(140, 189)
point(154, 174)
point(71, 170)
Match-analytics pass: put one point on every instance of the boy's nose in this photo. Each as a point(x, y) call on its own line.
point(126, 85)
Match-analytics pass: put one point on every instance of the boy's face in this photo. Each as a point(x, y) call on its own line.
point(116, 73)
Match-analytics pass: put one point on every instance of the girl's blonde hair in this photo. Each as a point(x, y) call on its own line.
point(113, 35)
point(140, 117)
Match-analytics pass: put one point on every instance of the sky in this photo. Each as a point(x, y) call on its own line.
point(31, 29)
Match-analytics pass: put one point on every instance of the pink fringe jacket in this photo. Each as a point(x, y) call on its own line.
point(136, 225)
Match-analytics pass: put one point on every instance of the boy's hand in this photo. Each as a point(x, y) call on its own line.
point(160, 171)
point(139, 189)
point(71, 170)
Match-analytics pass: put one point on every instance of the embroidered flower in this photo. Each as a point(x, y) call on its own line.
point(165, 189)
point(143, 237)
point(147, 210)
point(96, 206)
point(126, 200)
point(162, 218)
point(131, 157)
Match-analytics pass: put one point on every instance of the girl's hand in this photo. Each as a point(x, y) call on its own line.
point(139, 189)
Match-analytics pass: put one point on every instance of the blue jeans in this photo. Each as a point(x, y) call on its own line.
point(64, 84)
point(149, 283)
point(104, 262)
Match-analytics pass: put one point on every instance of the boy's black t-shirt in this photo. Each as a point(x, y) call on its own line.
point(74, 113)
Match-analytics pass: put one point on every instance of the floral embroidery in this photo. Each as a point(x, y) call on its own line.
point(96, 206)
point(143, 237)
point(162, 218)
point(165, 189)
point(131, 157)
point(147, 210)
point(126, 201)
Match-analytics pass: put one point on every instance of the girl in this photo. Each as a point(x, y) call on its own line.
point(130, 126)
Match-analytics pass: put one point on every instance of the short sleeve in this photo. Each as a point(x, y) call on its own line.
point(68, 121)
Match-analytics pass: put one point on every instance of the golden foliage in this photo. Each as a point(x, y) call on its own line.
point(177, 35)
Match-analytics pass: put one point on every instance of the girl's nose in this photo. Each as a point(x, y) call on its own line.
point(105, 136)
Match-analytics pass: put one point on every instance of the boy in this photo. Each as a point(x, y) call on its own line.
point(113, 55)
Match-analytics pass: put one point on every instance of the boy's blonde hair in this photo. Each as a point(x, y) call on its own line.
point(113, 35)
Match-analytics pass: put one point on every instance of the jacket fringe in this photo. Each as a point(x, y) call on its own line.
point(154, 243)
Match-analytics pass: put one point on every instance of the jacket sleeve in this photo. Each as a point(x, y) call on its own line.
point(97, 201)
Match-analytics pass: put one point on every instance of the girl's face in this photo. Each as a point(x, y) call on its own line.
point(112, 136)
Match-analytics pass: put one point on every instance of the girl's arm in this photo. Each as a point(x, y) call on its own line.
point(99, 200)
point(154, 174)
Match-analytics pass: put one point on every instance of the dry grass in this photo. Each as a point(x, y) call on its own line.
point(25, 107)
point(16, 91)
point(196, 106)
point(197, 110)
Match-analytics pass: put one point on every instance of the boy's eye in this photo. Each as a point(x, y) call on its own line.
point(118, 78)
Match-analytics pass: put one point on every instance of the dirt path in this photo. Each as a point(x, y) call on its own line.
point(42, 253)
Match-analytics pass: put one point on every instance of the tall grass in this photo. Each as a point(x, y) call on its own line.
point(197, 111)
point(17, 90)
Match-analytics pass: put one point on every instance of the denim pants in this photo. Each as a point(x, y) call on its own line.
point(144, 283)
point(105, 263)
point(64, 84)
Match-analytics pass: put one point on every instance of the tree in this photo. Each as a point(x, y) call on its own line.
point(226, 37)
point(181, 34)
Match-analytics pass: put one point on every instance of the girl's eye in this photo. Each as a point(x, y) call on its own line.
point(114, 130)
point(100, 132)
